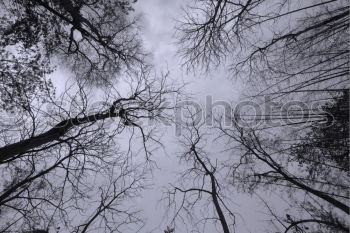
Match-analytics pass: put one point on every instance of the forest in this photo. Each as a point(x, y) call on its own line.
point(178, 116)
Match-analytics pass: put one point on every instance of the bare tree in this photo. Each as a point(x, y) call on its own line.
point(198, 181)
point(286, 50)
point(74, 151)
point(302, 166)
point(73, 154)
point(146, 100)
point(295, 47)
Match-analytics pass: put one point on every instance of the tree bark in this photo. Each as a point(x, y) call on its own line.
point(11, 151)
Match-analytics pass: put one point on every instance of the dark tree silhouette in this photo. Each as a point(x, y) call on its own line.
point(96, 39)
point(314, 165)
point(197, 182)
point(328, 142)
point(82, 162)
point(71, 153)
point(296, 48)
point(284, 50)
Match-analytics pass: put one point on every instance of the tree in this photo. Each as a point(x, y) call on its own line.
point(22, 80)
point(301, 165)
point(143, 101)
point(200, 179)
point(49, 179)
point(96, 39)
point(293, 47)
point(330, 139)
point(71, 154)
point(284, 50)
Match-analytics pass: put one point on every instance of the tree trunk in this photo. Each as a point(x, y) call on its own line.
point(11, 151)
point(217, 205)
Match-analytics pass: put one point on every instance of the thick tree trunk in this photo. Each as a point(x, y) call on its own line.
point(11, 151)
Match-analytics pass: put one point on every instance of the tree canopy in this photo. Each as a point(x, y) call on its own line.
point(75, 160)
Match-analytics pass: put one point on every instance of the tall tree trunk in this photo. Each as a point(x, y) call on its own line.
point(214, 193)
point(217, 205)
point(11, 151)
